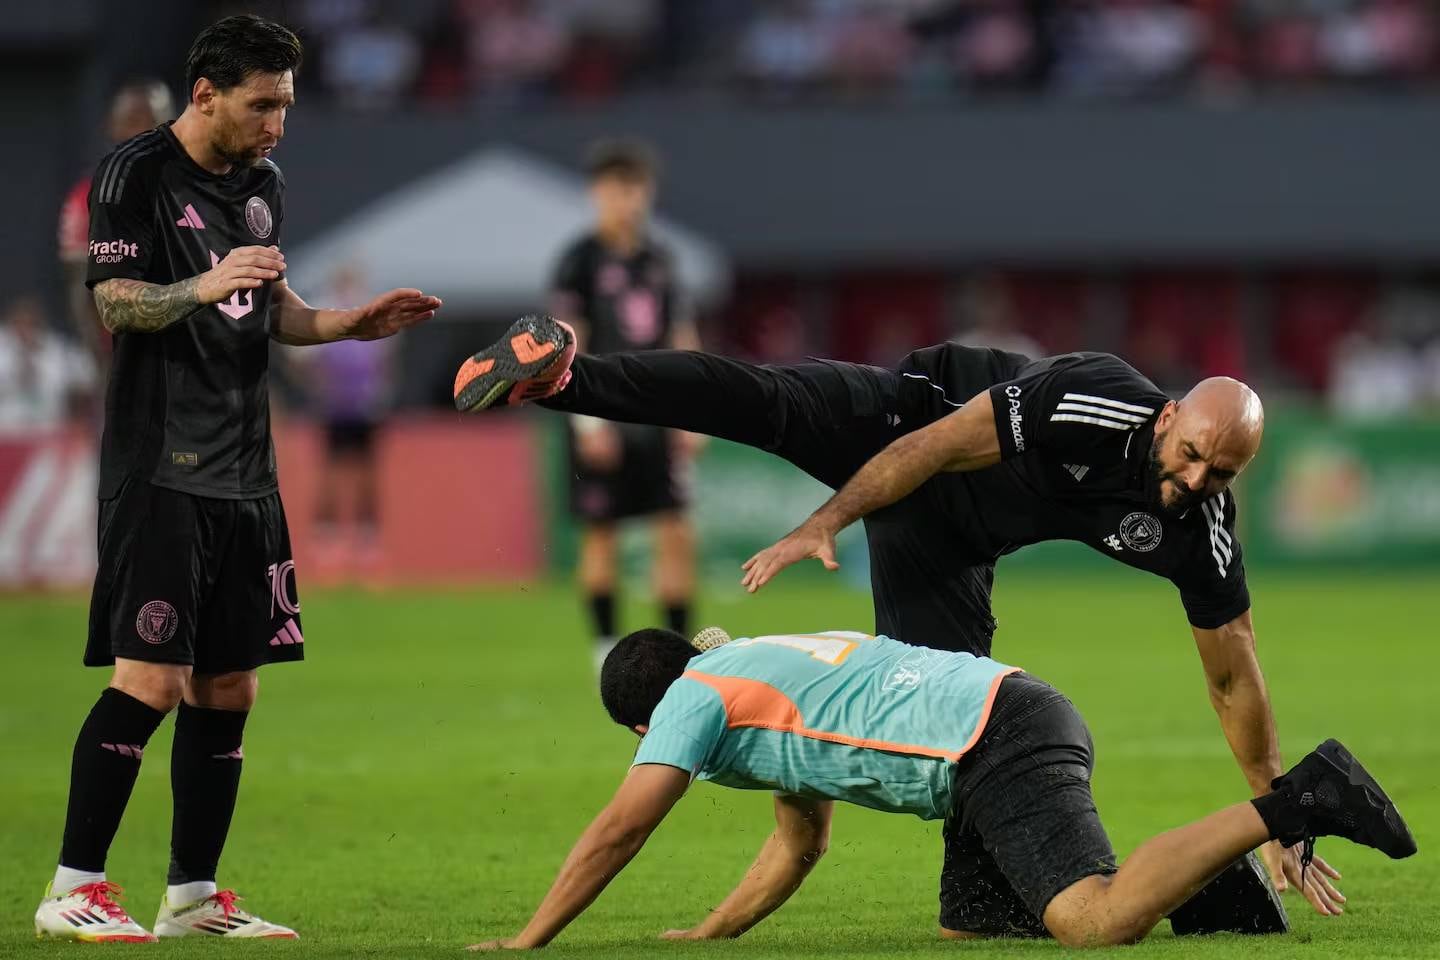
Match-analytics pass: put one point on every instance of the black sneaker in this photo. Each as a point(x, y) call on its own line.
point(1331, 795)
point(1239, 900)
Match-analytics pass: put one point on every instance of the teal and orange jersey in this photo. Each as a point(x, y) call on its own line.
point(837, 715)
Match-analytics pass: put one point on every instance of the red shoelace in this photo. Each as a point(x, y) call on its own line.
point(226, 899)
point(101, 896)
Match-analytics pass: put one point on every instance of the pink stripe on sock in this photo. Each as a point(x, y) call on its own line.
point(125, 749)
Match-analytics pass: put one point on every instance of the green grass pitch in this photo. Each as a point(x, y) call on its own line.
point(415, 784)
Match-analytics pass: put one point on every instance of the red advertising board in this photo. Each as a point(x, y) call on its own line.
point(457, 501)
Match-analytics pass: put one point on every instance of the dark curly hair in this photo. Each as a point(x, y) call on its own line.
point(639, 670)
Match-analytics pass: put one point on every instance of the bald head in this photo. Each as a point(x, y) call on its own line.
point(1229, 414)
point(1204, 441)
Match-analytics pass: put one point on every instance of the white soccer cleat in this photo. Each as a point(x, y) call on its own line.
point(88, 913)
point(216, 916)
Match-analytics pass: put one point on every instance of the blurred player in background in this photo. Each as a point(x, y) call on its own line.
point(617, 288)
point(43, 376)
point(195, 588)
point(137, 106)
point(350, 386)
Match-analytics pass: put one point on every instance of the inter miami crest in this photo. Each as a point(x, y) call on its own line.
point(157, 622)
point(1141, 532)
point(258, 218)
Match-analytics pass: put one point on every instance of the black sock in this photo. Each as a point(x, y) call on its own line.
point(677, 617)
point(102, 775)
point(205, 779)
point(1277, 811)
point(602, 615)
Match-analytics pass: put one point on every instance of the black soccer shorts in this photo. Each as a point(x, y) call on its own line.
point(1024, 825)
point(194, 580)
point(649, 479)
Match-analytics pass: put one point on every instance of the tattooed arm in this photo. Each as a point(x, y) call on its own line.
point(134, 306)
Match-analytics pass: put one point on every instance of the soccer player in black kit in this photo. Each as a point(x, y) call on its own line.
point(976, 453)
point(196, 582)
point(617, 287)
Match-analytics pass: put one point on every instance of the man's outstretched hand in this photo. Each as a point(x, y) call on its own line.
point(389, 313)
point(810, 539)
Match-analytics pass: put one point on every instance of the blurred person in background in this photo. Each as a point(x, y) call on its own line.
point(137, 106)
point(618, 288)
point(44, 377)
point(350, 385)
point(514, 47)
point(784, 49)
point(195, 587)
point(1383, 368)
point(990, 319)
point(371, 64)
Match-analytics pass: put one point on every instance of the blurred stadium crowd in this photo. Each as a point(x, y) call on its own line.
point(375, 53)
point(1364, 337)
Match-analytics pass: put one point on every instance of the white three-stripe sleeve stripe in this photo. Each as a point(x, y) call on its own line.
point(1100, 411)
point(1220, 540)
point(1079, 418)
point(1114, 404)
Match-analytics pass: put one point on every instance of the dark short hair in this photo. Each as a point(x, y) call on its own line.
point(628, 159)
point(639, 670)
point(229, 50)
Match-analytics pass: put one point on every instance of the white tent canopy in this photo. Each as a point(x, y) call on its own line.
point(483, 235)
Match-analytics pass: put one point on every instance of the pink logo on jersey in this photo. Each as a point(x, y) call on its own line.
point(191, 218)
point(113, 251)
point(240, 302)
point(258, 218)
point(612, 278)
point(639, 316)
point(157, 622)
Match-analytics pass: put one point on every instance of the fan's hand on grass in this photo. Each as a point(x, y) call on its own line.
point(809, 540)
point(679, 935)
point(389, 313)
point(1285, 873)
point(491, 945)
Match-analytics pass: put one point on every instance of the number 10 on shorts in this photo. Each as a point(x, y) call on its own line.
point(282, 588)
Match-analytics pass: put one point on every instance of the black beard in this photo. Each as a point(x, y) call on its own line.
point(1155, 475)
point(235, 156)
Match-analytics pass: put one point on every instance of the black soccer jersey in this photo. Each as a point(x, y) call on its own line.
point(628, 303)
point(187, 407)
point(1076, 432)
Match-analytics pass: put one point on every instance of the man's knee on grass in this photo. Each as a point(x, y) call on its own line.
point(948, 934)
point(1084, 914)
